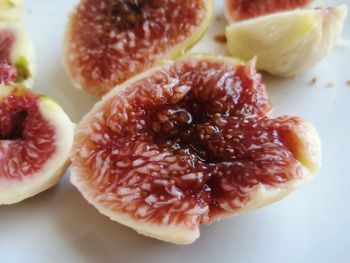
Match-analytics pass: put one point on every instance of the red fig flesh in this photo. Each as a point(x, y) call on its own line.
point(109, 41)
point(187, 144)
point(238, 10)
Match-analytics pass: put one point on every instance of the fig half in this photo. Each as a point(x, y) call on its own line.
point(287, 43)
point(109, 41)
point(8, 74)
point(11, 10)
point(16, 50)
point(36, 137)
point(239, 10)
point(189, 143)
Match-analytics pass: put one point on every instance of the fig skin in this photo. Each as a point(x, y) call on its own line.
point(14, 191)
point(288, 43)
point(22, 55)
point(102, 88)
point(307, 151)
point(11, 10)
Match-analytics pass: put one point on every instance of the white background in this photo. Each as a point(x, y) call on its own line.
point(312, 225)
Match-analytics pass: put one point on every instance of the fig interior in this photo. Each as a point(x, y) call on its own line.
point(14, 112)
point(248, 9)
point(8, 73)
point(12, 124)
point(7, 40)
point(195, 134)
point(27, 139)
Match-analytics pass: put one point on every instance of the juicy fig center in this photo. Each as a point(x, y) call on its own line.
point(129, 12)
point(12, 124)
point(191, 132)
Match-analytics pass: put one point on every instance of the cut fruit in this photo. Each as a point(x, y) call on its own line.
point(288, 43)
point(8, 74)
point(186, 144)
point(36, 137)
point(11, 10)
point(238, 10)
point(109, 41)
point(16, 50)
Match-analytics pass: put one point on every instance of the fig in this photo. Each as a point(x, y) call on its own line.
point(189, 143)
point(11, 10)
point(8, 74)
point(16, 50)
point(287, 43)
point(109, 41)
point(36, 137)
point(239, 10)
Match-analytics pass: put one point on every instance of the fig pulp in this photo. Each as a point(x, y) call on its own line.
point(109, 41)
point(35, 139)
point(239, 10)
point(187, 144)
point(16, 51)
point(8, 74)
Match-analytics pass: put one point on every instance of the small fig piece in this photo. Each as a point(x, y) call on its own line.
point(8, 74)
point(17, 51)
point(287, 43)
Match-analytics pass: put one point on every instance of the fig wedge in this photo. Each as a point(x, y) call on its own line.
point(287, 43)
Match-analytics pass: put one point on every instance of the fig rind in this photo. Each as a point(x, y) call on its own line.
point(11, 10)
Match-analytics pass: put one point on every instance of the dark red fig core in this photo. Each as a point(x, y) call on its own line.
point(8, 73)
point(27, 139)
point(111, 40)
point(246, 9)
point(187, 144)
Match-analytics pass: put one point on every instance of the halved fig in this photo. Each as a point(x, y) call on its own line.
point(11, 10)
point(239, 10)
point(287, 43)
point(17, 51)
point(36, 137)
point(186, 144)
point(8, 74)
point(109, 41)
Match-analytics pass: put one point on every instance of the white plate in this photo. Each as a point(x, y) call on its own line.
point(312, 225)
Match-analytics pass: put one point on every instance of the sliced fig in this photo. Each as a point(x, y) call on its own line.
point(287, 43)
point(186, 144)
point(109, 41)
point(8, 74)
point(36, 137)
point(11, 10)
point(239, 10)
point(17, 51)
